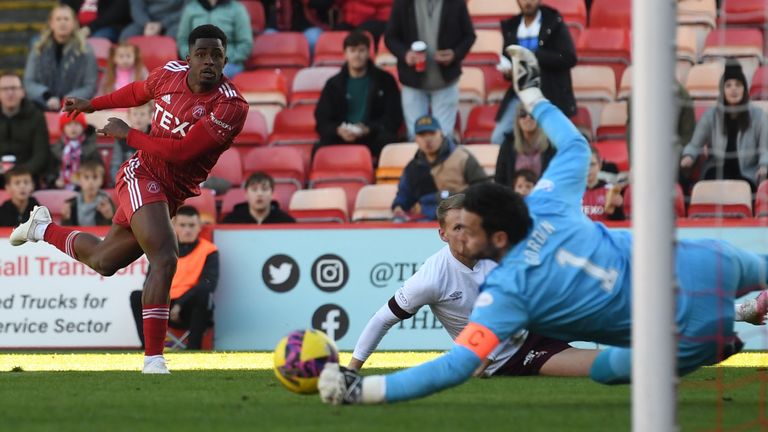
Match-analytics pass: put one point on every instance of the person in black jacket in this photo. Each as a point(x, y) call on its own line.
point(361, 104)
point(259, 208)
point(19, 185)
point(527, 148)
point(430, 79)
point(542, 30)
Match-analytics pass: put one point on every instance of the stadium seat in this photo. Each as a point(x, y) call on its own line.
point(329, 50)
point(156, 51)
point(496, 85)
point(383, 56)
point(205, 203)
point(374, 203)
point(743, 13)
point(697, 13)
point(54, 199)
point(679, 201)
point(98, 119)
point(759, 88)
point(593, 86)
point(486, 14)
point(605, 46)
point(309, 82)
point(613, 121)
point(262, 87)
point(700, 107)
point(229, 167)
point(480, 124)
point(583, 122)
point(614, 151)
point(282, 194)
point(254, 131)
point(687, 51)
point(52, 121)
point(574, 12)
point(294, 126)
point(486, 49)
point(393, 159)
point(746, 44)
point(704, 80)
point(611, 13)
point(284, 164)
point(721, 199)
point(761, 201)
point(319, 205)
point(4, 196)
point(625, 86)
point(279, 50)
point(472, 86)
point(101, 47)
point(346, 166)
point(486, 155)
point(256, 12)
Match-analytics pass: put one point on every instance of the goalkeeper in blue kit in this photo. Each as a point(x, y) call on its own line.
point(563, 276)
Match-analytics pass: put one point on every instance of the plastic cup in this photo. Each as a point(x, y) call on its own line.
point(421, 48)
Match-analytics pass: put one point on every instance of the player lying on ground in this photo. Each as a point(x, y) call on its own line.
point(198, 112)
point(563, 276)
point(449, 282)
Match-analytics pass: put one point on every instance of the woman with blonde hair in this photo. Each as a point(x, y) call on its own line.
point(527, 148)
point(60, 63)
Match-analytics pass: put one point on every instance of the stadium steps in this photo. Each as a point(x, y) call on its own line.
point(20, 21)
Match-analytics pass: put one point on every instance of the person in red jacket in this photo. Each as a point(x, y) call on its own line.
point(602, 201)
point(368, 15)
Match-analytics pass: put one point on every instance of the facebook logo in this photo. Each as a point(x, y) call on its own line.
point(331, 319)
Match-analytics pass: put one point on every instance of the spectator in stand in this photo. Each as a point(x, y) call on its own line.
point(361, 104)
point(259, 208)
point(231, 17)
point(734, 131)
point(76, 146)
point(542, 30)
point(193, 284)
point(139, 118)
point(525, 180)
point(60, 62)
point(101, 18)
point(19, 185)
point(430, 77)
point(91, 206)
point(310, 17)
point(601, 201)
point(528, 148)
point(154, 17)
point(123, 67)
point(368, 15)
point(23, 130)
point(439, 170)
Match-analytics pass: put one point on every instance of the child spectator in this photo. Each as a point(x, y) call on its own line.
point(124, 66)
point(76, 145)
point(259, 208)
point(525, 180)
point(91, 206)
point(602, 201)
point(19, 185)
point(139, 118)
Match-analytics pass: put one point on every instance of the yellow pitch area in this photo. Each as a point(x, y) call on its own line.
point(238, 360)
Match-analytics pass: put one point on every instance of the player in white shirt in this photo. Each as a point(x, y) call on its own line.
point(449, 283)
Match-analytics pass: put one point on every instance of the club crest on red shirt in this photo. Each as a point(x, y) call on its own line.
point(198, 112)
point(153, 187)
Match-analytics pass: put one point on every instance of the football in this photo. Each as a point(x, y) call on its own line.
point(300, 357)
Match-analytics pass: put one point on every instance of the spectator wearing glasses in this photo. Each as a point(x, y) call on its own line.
point(527, 148)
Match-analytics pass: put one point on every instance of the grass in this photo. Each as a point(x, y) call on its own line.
point(237, 391)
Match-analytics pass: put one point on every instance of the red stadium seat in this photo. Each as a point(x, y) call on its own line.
point(156, 51)
point(329, 50)
point(294, 126)
point(574, 12)
point(205, 203)
point(611, 13)
point(614, 151)
point(279, 50)
point(613, 121)
point(309, 82)
point(759, 88)
point(383, 56)
point(262, 87)
point(347, 166)
point(229, 167)
point(496, 85)
point(583, 121)
point(761, 201)
point(480, 124)
point(679, 201)
point(751, 13)
point(730, 199)
point(284, 164)
point(52, 121)
point(54, 199)
point(4, 196)
point(254, 131)
point(256, 13)
point(101, 47)
point(319, 205)
point(605, 46)
point(488, 13)
point(486, 49)
point(733, 42)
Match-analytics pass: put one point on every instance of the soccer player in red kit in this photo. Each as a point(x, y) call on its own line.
point(198, 112)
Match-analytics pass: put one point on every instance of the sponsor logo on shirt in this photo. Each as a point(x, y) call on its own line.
point(532, 355)
point(169, 121)
point(166, 98)
point(220, 123)
point(456, 295)
point(403, 298)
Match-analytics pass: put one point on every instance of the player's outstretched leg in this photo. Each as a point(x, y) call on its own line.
point(151, 225)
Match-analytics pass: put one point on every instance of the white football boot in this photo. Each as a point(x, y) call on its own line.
point(155, 366)
point(26, 231)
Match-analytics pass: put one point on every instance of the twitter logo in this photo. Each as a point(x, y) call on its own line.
point(280, 273)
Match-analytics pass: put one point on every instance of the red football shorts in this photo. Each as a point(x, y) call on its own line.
point(136, 188)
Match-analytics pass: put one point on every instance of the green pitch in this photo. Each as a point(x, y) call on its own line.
point(237, 391)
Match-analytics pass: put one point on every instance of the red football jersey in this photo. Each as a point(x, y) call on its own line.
point(222, 112)
point(593, 202)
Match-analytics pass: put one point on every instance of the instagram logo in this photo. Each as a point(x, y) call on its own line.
point(330, 273)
